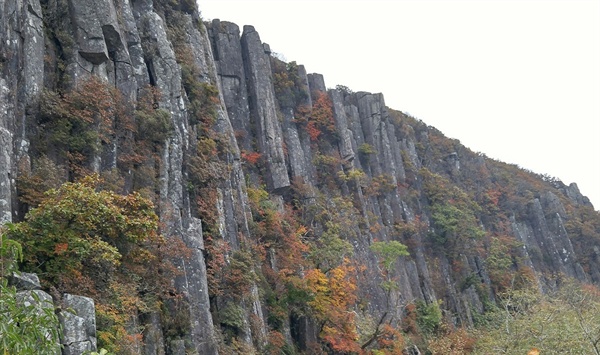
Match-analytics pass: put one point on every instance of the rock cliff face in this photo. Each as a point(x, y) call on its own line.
point(348, 167)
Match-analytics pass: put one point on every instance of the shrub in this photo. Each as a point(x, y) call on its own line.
point(366, 149)
point(101, 245)
point(429, 317)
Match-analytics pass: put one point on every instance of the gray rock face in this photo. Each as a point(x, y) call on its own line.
point(33, 49)
point(193, 284)
point(232, 202)
point(25, 281)
point(90, 20)
point(40, 300)
point(101, 47)
point(154, 342)
point(298, 160)
point(225, 37)
point(263, 108)
point(572, 191)
point(78, 320)
point(21, 79)
point(341, 125)
point(305, 153)
point(5, 174)
point(166, 75)
point(131, 37)
point(545, 238)
point(317, 82)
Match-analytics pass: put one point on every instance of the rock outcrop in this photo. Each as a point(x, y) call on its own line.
point(263, 107)
point(78, 322)
point(77, 316)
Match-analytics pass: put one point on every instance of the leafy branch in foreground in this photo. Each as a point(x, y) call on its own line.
point(28, 324)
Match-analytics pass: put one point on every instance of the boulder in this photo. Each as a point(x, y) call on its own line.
point(78, 320)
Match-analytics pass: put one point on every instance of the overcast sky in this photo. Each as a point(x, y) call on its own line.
point(518, 80)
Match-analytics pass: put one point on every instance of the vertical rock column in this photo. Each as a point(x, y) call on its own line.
point(298, 144)
point(6, 114)
point(227, 53)
point(101, 46)
point(341, 126)
point(166, 75)
point(263, 108)
point(22, 63)
point(232, 204)
point(5, 157)
point(101, 51)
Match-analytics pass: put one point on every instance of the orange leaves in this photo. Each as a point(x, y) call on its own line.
point(313, 131)
point(321, 117)
point(343, 343)
point(319, 120)
point(276, 343)
point(60, 248)
point(390, 340)
point(215, 264)
point(493, 196)
point(251, 158)
point(333, 296)
point(322, 113)
point(591, 291)
point(95, 102)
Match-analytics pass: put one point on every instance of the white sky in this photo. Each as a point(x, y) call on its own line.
point(518, 80)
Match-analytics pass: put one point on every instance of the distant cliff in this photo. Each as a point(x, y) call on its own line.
point(286, 194)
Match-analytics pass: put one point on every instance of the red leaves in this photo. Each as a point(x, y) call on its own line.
point(60, 248)
point(319, 120)
point(215, 264)
point(251, 158)
point(313, 131)
point(322, 113)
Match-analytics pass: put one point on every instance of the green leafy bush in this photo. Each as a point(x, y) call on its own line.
point(429, 317)
point(28, 324)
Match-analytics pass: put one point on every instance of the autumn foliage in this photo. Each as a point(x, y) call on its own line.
point(321, 117)
point(102, 245)
point(333, 296)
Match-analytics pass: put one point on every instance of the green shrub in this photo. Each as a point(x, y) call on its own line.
point(429, 317)
point(25, 328)
point(366, 149)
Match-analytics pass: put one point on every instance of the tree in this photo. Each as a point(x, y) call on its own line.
point(563, 321)
point(389, 252)
point(333, 296)
point(77, 228)
point(102, 245)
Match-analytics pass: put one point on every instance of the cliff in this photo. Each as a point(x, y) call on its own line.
point(278, 187)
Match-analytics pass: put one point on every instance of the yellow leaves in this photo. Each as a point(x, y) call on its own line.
point(301, 231)
point(333, 296)
point(317, 283)
point(332, 292)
